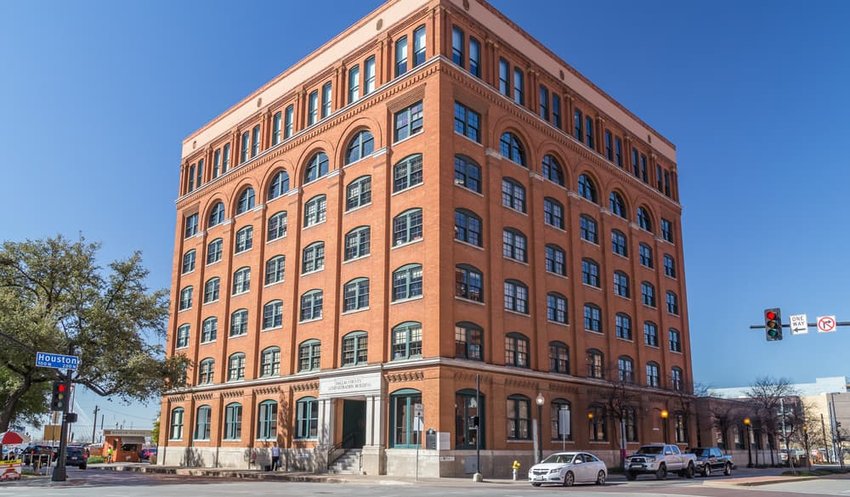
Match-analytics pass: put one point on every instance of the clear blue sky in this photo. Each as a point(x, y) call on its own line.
point(96, 96)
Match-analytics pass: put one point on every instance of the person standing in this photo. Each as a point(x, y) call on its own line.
point(109, 455)
point(275, 457)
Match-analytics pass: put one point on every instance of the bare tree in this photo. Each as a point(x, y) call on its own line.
point(765, 395)
point(620, 400)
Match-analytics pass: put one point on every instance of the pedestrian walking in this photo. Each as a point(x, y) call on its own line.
point(275, 457)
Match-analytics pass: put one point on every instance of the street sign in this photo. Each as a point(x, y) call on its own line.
point(418, 411)
point(826, 324)
point(56, 361)
point(799, 324)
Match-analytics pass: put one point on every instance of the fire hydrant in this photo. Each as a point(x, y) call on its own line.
point(515, 466)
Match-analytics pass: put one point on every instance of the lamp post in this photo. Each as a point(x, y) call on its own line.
point(664, 416)
point(540, 401)
point(747, 423)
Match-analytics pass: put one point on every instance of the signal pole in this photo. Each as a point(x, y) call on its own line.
point(59, 473)
point(94, 428)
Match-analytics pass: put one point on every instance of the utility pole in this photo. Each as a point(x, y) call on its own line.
point(102, 418)
point(94, 428)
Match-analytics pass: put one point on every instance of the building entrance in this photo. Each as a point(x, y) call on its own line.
point(353, 424)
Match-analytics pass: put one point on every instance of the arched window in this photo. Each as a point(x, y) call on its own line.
point(233, 421)
point(236, 367)
point(595, 364)
point(588, 229)
point(239, 323)
point(419, 46)
point(561, 411)
point(587, 189)
point(592, 318)
point(214, 249)
point(467, 173)
point(644, 221)
point(590, 272)
point(401, 56)
point(516, 296)
point(315, 210)
point(617, 204)
point(618, 243)
point(309, 355)
point(246, 201)
point(176, 428)
point(212, 289)
point(650, 333)
point(518, 414)
point(203, 422)
point(358, 193)
point(355, 346)
point(626, 369)
point(206, 370)
point(306, 418)
point(216, 215)
point(630, 424)
point(407, 173)
point(468, 341)
point(270, 362)
point(357, 243)
point(185, 298)
point(317, 167)
point(267, 420)
point(469, 283)
point(313, 258)
point(514, 245)
point(556, 308)
point(675, 340)
point(553, 213)
point(275, 269)
point(621, 284)
point(355, 295)
point(407, 227)
point(623, 326)
point(552, 170)
point(468, 227)
point(517, 350)
point(244, 239)
point(556, 260)
point(407, 340)
point(209, 330)
point(511, 148)
point(279, 185)
point(407, 282)
point(513, 194)
point(273, 315)
point(677, 379)
point(645, 254)
point(647, 294)
point(470, 419)
point(404, 433)
point(559, 358)
point(672, 303)
point(241, 280)
point(359, 147)
point(182, 336)
point(653, 378)
point(597, 423)
point(311, 305)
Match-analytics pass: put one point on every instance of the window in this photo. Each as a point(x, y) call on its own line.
point(467, 227)
point(211, 290)
point(556, 110)
point(667, 230)
point(279, 185)
point(578, 129)
point(587, 229)
point(407, 282)
point(512, 148)
point(362, 145)
point(675, 340)
point(518, 416)
point(270, 362)
point(681, 428)
point(233, 421)
point(588, 124)
point(519, 86)
point(621, 284)
point(672, 303)
point(676, 379)
point(203, 421)
point(592, 318)
point(644, 220)
point(556, 260)
point(516, 350)
point(317, 167)
point(408, 121)
point(645, 254)
point(516, 296)
point(618, 151)
point(407, 340)
point(313, 258)
point(309, 355)
point(236, 367)
point(467, 122)
point(369, 79)
point(556, 308)
point(513, 195)
point(419, 46)
point(595, 364)
point(277, 226)
point(216, 215)
point(626, 369)
point(653, 379)
point(327, 100)
point(403, 431)
point(277, 120)
point(635, 162)
point(354, 348)
point(246, 201)
point(188, 262)
point(630, 424)
point(358, 193)
point(255, 141)
point(553, 213)
point(209, 330)
point(241, 280)
point(474, 57)
point(311, 305)
point(669, 266)
point(618, 243)
point(239, 323)
point(353, 84)
point(407, 227)
point(586, 188)
point(313, 108)
point(544, 102)
point(273, 315)
point(182, 336)
point(598, 424)
point(315, 210)
point(552, 170)
point(288, 122)
point(647, 292)
point(306, 418)
point(185, 298)
point(191, 226)
point(176, 429)
point(243, 150)
point(623, 326)
point(590, 272)
point(267, 420)
point(643, 175)
point(559, 358)
point(467, 174)
point(468, 341)
point(356, 295)
point(216, 172)
point(559, 432)
point(457, 46)
point(469, 283)
point(244, 239)
point(617, 204)
point(407, 173)
point(504, 77)
point(357, 243)
point(650, 334)
point(275, 269)
point(470, 420)
point(609, 146)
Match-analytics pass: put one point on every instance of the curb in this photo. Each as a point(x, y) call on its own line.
point(199, 472)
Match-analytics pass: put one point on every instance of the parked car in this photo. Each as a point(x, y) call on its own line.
point(76, 456)
point(568, 468)
point(712, 459)
point(660, 459)
point(146, 453)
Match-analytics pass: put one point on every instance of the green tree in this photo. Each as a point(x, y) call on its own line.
point(55, 298)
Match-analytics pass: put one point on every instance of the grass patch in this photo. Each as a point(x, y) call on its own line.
point(95, 460)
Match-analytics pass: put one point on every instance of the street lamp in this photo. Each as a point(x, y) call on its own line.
point(664, 416)
point(540, 400)
point(748, 423)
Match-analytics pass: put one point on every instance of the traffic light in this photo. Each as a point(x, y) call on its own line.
point(60, 396)
point(772, 324)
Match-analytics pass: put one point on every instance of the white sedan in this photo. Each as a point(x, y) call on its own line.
point(568, 468)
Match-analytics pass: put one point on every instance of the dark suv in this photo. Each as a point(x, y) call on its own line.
point(712, 460)
point(76, 456)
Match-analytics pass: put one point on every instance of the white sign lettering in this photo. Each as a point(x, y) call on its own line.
point(799, 324)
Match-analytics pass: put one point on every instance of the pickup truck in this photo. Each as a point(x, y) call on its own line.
point(711, 459)
point(660, 459)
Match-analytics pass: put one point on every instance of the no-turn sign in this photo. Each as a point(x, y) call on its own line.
point(826, 324)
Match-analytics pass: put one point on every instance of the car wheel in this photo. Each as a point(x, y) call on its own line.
point(535, 484)
point(569, 479)
point(600, 478)
point(661, 473)
point(727, 470)
point(689, 472)
point(706, 471)
point(631, 476)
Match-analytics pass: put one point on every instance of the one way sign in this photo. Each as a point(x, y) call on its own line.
point(799, 324)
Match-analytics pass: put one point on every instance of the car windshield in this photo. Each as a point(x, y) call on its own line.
point(700, 452)
point(558, 459)
point(650, 450)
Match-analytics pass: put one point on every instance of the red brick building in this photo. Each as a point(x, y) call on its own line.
point(429, 198)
